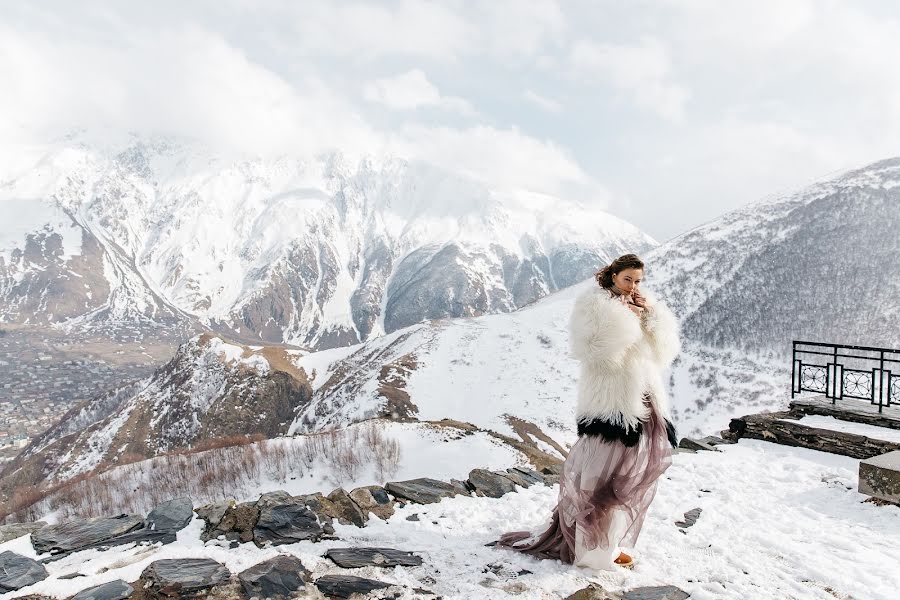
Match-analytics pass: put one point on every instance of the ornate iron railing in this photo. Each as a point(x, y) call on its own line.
point(839, 372)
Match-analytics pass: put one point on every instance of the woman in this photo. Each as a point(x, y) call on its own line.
point(624, 340)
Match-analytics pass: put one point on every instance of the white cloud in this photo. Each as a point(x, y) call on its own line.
point(642, 71)
point(542, 101)
point(412, 90)
point(507, 158)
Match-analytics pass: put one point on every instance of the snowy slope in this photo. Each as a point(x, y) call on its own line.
point(318, 251)
point(822, 264)
point(790, 526)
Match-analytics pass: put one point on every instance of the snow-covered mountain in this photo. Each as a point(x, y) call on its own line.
point(510, 373)
point(822, 264)
point(315, 252)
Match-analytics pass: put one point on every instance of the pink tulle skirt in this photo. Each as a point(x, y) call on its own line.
point(604, 492)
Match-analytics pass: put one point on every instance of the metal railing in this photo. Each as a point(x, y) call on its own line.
point(839, 372)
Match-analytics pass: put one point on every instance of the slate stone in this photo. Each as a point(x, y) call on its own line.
point(714, 440)
point(17, 530)
point(177, 576)
point(690, 517)
point(660, 592)
point(517, 478)
point(421, 491)
point(373, 499)
point(591, 592)
point(113, 590)
point(691, 444)
point(138, 536)
point(17, 571)
point(286, 524)
point(461, 487)
point(273, 499)
point(490, 484)
point(346, 510)
point(173, 515)
point(278, 577)
point(344, 586)
point(352, 558)
point(529, 474)
point(67, 537)
point(213, 513)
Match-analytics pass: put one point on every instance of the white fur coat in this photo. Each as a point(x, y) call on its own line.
point(622, 356)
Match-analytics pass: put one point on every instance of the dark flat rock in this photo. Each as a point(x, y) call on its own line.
point(17, 530)
point(660, 592)
point(286, 524)
point(690, 517)
point(527, 473)
point(173, 515)
point(278, 577)
point(17, 571)
point(113, 590)
point(67, 537)
point(344, 586)
point(490, 484)
point(138, 536)
point(518, 479)
point(352, 558)
point(421, 491)
point(172, 577)
point(692, 444)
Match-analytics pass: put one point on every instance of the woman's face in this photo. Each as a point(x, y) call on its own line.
point(628, 280)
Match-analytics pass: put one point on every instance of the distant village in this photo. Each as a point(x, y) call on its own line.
point(40, 382)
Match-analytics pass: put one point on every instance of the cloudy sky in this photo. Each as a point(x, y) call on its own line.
point(668, 113)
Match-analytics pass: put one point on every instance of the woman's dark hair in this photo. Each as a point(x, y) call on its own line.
point(626, 261)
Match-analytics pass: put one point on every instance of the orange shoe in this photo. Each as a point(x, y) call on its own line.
point(625, 561)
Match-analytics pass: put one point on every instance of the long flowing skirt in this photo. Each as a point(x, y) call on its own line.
point(604, 492)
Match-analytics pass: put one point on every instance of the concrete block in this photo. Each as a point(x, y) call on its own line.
point(879, 476)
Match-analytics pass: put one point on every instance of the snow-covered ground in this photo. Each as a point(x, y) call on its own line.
point(776, 522)
point(830, 423)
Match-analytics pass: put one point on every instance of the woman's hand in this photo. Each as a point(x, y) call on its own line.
point(639, 299)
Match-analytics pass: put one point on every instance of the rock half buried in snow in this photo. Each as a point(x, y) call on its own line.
point(277, 577)
point(490, 484)
point(690, 517)
point(67, 537)
point(352, 558)
point(344, 586)
point(421, 491)
point(879, 476)
point(113, 590)
point(591, 592)
point(173, 515)
point(17, 530)
point(373, 499)
point(660, 592)
point(286, 524)
point(17, 571)
point(178, 576)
